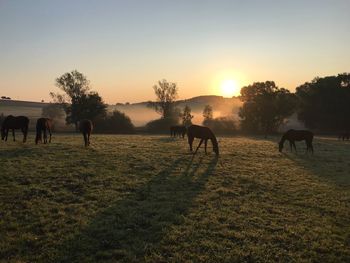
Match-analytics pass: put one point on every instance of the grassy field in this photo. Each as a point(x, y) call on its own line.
point(145, 199)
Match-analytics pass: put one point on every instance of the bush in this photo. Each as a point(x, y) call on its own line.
point(222, 125)
point(116, 123)
point(161, 125)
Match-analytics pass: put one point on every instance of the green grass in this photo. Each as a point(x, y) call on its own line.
point(144, 199)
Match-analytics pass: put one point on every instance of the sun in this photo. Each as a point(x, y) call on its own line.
point(229, 88)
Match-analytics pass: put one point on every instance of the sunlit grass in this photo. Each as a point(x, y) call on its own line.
point(143, 198)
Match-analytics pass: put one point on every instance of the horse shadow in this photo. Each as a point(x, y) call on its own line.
point(131, 228)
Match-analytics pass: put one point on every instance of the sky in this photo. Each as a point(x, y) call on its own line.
point(125, 47)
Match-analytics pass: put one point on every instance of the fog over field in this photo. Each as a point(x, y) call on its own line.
point(140, 113)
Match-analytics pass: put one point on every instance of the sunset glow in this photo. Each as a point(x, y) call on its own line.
point(209, 48)
point(229, 88)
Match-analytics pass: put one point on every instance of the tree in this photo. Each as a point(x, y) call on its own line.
point(74, 84)
point(166, 93)
point(53, 111)
point(207, 113)
point(186, 116)
point(77, 101)
point(324, 103)
point(265, 107)
point(88, 106)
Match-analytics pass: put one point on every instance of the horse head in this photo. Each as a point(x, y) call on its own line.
point(215, 146)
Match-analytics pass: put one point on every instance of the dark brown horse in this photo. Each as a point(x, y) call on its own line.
point(178, 131)
point(43, 125)
point(297, 135)
point(203, 133)
point(344, 136)
point(13, 123)
point(85, 127)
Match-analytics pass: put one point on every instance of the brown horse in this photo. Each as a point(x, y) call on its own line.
point(203, 133)
point(43, 125)
point(178, 131)
point(13, 123)
point(297, 135)
point(85, 127)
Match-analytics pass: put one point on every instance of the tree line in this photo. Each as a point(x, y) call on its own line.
point(322, 104)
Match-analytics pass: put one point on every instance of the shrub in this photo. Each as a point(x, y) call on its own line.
point(161, 125)
point(116, 123)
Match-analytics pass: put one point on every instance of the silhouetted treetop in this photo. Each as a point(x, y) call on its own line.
point(73, 83)
point(324, 103)
point(166, 93)
point(265, 107)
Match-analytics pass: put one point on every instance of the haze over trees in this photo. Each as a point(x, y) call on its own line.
point(222, 125)
point(165, 104)
point(187, 116)
point(265, 107)
point(207, 113)
point(166, 95)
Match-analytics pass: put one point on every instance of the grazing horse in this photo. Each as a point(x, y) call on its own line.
point(85, 127)
point(178, 131)
point(344, 136)
point(13, 123)
point(297, 135)
point(42, 125)
point(203, 133)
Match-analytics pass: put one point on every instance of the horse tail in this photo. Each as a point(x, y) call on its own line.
point(38, 133)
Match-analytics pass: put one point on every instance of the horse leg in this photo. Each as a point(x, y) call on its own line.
point(291, 146)
point(190, 142)
point(88, 138)
point(295, 148)
point(199, 145)
point(25, 134)
point(6, 134)
point(85, 139)
point(45, 137)
point(13, 134)
point(49, 134)
point(205, 146)
point(309, 147)
point(37, 137)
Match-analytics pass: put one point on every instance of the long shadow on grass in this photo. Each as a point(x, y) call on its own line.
point(131, 228)
point(329, 161)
